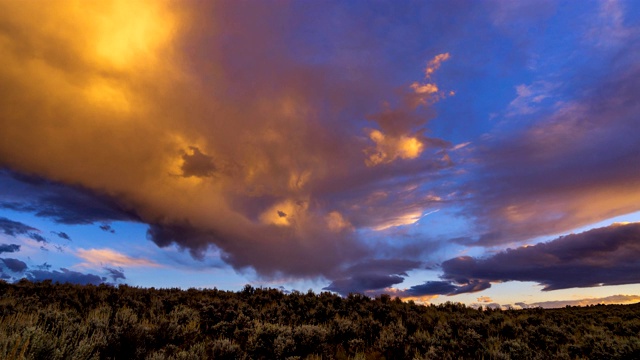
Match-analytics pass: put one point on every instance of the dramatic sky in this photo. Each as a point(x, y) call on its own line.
point(486, 152)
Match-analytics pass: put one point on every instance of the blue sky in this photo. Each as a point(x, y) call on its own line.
point(476, 151)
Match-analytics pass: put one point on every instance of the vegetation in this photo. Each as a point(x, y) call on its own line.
point(64, 321)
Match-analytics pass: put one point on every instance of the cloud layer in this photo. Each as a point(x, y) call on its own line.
point(598, 257)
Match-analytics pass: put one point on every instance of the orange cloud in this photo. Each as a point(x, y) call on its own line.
point(108, 257)
point(190, 116)
point(434, 64)
point(408, 218)
point(389, 148)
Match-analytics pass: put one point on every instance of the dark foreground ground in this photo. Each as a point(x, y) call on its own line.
point(51, 321)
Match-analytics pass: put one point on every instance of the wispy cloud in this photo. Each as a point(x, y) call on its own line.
point(109, 257)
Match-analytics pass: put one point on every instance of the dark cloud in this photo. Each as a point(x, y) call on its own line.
point(445, 288)
point(107, 228)
point(44, 266)
point(14, 265)
point(363, 283)
point(115, 274)
point(184, 235)
point(320, 254)
point(367, 277)
point(37, 237)
point(62, 203)
point(9, 248)
point(62, 235)
point(197, 164)
point(432, 288)
point(598, 257)
point(65, 276)
point(388, 266)
point(15, 228)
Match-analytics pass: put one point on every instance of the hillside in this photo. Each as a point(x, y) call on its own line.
point(54, 321)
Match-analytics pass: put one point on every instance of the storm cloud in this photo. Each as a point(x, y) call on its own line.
point(252, 160)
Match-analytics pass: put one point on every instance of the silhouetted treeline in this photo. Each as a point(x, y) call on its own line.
point(53, 321)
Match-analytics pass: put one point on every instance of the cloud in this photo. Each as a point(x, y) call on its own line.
point(14, 265)
point(64, 204)
point(102, 257)
point(15, 228)
point(432, 288)
point(9, 248)
point(530, 98)
point(207, 123)
point(435, 63)
point(613, 299)
point(197, 164)
point(62, 235)
point(115, 274)
point(65, 276)
point(573, 166)
point(608, 254)
point(362, 283)
point(371, 276)
point(37, 237)
point(401, 129)
point(107, 228)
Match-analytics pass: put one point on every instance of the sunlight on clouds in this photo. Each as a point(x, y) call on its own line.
point(404, 219)
point(129, 33)
point(400, 135)
point(108, 96)
point(434, 64)
point(401, 293)
point(389, 148)
point(297, 180)
point(283, 213)
point(336, 222)
point(424, 89)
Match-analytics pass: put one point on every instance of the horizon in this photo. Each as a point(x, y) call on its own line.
point(482, 153)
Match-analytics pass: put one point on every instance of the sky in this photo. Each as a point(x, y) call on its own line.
point(483, 152)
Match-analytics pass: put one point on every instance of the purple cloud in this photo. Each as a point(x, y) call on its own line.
point(65, 276)
point(14, 228)
point(598, 257)
point(9, 248)
point(14, 265)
